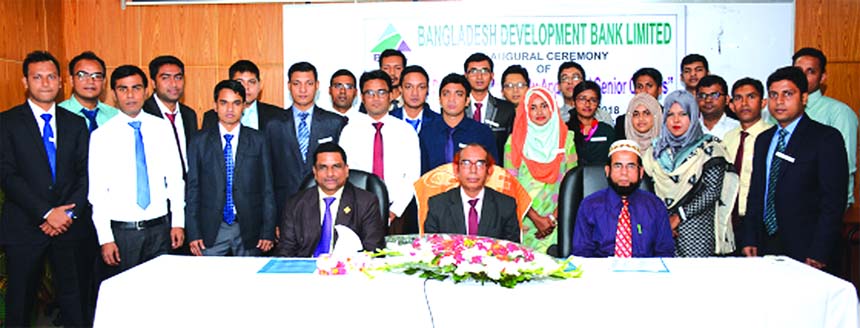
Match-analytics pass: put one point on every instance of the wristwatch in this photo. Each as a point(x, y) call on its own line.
point(553, 220)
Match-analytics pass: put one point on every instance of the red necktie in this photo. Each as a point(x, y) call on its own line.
point(172, 118)
point(473, 218)
point(378, 164)
point(739, 163)
point(623, 235)
point(477, 115)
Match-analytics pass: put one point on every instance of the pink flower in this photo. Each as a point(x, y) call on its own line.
point(476, 260)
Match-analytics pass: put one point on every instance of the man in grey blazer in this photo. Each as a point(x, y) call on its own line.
point(472, 208)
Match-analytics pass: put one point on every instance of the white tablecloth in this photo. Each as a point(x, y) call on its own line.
point(176, 291)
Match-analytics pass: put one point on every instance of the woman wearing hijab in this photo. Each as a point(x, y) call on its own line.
point(592, 136)
point(645, 120)
point(538, 152)
point(690, 175)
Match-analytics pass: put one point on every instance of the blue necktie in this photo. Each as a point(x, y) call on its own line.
point(91, 118)
point(325, 237)
point(449, 146)
point(415, 123)
point(229, 215)
point(140, 159)
point(775, 165)
point(304, 135)
point(50, 148)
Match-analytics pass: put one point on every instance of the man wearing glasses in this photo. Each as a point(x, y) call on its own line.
point(87, 72)
point(342, 90)
point(493, 112)
point(713, 98)
point(472, 208)
point(256, 114)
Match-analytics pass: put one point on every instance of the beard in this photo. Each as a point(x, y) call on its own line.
point(623, 191)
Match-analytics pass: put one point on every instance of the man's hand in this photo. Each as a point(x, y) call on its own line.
point(110, 254)
point(197, 247)
point(58, 219)
point(750, 251)
point(674, 222)
point(177, 237)
point(48, 229)
point(815, 264)
point(265, 245)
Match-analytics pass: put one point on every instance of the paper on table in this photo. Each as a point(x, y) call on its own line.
point(347, 241)
point(289, 266)
point(654, 264)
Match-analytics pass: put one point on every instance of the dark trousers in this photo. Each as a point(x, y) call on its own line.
point(139, 246)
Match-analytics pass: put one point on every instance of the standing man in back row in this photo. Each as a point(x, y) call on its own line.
point(257, 113)
point(495, 113)
point(87, 75)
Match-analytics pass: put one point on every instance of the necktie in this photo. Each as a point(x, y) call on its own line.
point(415, 123)
point(477, 114)
point(623, 233)
point(770, 205)
point(395, 103)
point(324, 245)
point(304, 135)
point(378, 153)
point(473, 217)
point(91, 118)
point(229, 214)
point(449, 146)
point(140, 160)
point(50, 148)
point(739, 161)
point(172, 118)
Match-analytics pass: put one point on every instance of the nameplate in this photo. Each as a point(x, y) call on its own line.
point(785, 157)
point(598, 139)
point(324, 140)
point(302, 266)
point(491, 123)
point(462, 145)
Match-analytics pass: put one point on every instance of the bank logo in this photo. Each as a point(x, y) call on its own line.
point(391, 39)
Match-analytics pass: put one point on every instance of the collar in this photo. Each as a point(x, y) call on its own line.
point(336, 195)
point(251, 108)
point(76, 105)
point(466, 198)
point(224, 131)
point(813, 97)
point(758, 127)
point(163, 107)
point(791, 126)
point(38, 111)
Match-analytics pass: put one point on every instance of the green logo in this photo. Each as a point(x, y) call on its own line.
point(391, 39)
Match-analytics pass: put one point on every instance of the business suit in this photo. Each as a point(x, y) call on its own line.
point(205, 193)
point(501, 113)
point(810, 192)
point(301, 227)
point(265, 113)
point(25, 177)
point(498, 217)
point(428, 116)
point(189, 116)
point(288, 168)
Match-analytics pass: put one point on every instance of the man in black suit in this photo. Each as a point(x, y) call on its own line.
point(497, 114)
point(43, 173)
point(168, 77)
point(257, 113)
point(222, 161)
point(294, 136)
point(308, 224)
point(797, 193)
point(457, 210)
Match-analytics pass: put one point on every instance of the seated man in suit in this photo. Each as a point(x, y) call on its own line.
point(623, 220)
point(222, 160)
point(472, 208)
point(308, 223)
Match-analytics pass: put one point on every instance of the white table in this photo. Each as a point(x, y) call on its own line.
point(176, 291)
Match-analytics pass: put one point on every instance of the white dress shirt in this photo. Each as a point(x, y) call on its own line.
point(113, 173)
point(333, 208)
point(483, 107)
point(233, 142)
point(38, 111)
point(466, 206)
point(401, 155)
point(725, 124)
point(180, 128)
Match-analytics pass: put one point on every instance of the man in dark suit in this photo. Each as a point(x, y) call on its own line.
point(457, 210)
point(43, 173)
point(257, 113)
point(308, 224)
point(220, 219)
point(168, 77)
point(797, 193)
point(414, 84)
point(294, 136)
point(497, 114)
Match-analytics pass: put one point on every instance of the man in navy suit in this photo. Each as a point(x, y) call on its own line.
point(43, 173)
point(414, 84)
point(256, 113)
point(229, 206)
point(797, 193)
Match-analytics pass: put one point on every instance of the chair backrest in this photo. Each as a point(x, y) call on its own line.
point(577, 184)
point(362, 180)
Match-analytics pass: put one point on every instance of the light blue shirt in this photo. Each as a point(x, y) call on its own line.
point(772, 149)
point(105, 113)
point(250, 118)
point(298, 120)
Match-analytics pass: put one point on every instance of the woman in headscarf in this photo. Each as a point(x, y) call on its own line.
point(644, 120)
point(538, 152)
point(691, 176)
point(593, 137)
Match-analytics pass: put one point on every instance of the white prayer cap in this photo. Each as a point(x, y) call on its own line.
point(628, 145)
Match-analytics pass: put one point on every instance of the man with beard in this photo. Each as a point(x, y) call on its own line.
point(623, 220)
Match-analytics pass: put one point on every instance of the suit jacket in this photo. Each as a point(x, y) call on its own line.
point(498, 215)
point(428, 116)
point(288, 168)
point(252, 187)
point(810, 192)
point(265, 113)
point(501, 112)
point(189, 116)
point(301, 229)
point(25, 176)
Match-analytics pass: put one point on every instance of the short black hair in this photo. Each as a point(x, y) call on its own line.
point(570, 64)
point(302, 67)
point(159, 61)
point(710, 80)
point(455, 78)
point(414, 69)
point(328, 147)
point(651, 72)
point(39, 56)
point(391, 52)
point(790, 73)
point(588, 85)
point(516, 69)
point(813, 52)
point(693, 58)
point(236, 86)
point(376, 74)
point(342, 72)
point(126, 71)
point(477, 57)
point(749, 81)
point(242, 66)
point(86, 55)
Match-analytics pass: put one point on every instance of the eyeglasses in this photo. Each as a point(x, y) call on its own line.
point(585, 99)
point(83, 75)
point(375, 93)
point(713, 95)
point(469, 163)
point(629, 166)
point(481, 71)
point(344, 86)
point(518, 85)
point(570, 78)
